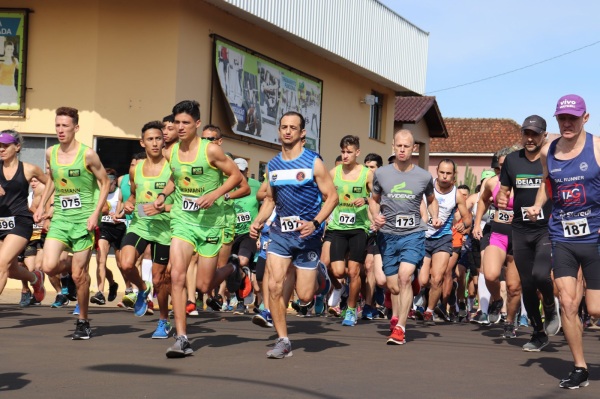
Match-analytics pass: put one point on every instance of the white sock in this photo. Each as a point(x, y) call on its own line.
point(334, 299)
point(523, 311)
point(147, 270)
point(484, 294)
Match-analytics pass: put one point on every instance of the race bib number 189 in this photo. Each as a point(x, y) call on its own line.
point(243, 217)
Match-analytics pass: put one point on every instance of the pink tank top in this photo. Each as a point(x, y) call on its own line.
point(495, 194)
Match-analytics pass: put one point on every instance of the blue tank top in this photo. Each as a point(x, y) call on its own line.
point(575, 185)
point(295, 192)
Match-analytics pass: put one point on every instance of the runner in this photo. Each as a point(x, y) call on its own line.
point(349, 224)
point(16, 222)
point(298, 181)
point(76, 177)
point(572, 177)
point(522, 173)
point(398, 190)
point(149, 226)
point(197, 217)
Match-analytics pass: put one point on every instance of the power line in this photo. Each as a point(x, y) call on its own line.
point(514, 70)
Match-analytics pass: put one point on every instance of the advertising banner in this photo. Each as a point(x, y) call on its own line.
point(260, 91)
point(12, 54)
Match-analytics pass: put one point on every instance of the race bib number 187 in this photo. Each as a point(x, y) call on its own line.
point(575, 227)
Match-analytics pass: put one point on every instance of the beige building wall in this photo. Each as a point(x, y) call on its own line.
point(125, 63)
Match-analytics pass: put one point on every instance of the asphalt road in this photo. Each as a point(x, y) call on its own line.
point(39, 359)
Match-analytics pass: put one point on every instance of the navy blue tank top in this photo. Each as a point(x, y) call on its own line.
point(575, 190)
point(295, 191)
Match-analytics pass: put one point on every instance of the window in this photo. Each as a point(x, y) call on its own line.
point(376, 113)
point(117, 153)
point(34, 149)
point(262, 168)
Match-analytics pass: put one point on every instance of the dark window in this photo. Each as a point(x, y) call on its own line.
point(117, 153)
point(376, 114)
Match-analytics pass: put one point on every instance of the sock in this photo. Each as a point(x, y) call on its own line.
point(286, 340)
point(429, 310)
point(484, 294)
point(471, 303)
point(334, 299)
point(402, 327)
point(146, 270)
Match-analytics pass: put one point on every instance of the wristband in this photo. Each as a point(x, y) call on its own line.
point(163, 194)
point(316, 223)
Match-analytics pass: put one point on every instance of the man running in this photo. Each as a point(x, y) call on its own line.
point(298, 181)
point(522, 173)
point(80, 187)
point(398, 190)
point(571, 177)
point(197, 218)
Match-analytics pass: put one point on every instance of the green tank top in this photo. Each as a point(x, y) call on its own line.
point(76, 189)
point(246, 209)
point(346, 216)
point(126, 193)
point(192, 180)
point(155, 228)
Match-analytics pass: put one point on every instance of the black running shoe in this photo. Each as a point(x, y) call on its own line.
point(215, 302)
point(234, 280)
point(494, 311)
point(82, 330)
point(578, 378)
point(98, 299)
point(112, 291)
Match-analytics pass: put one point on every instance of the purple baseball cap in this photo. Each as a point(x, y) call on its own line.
point(570, 104)
point(7, 138)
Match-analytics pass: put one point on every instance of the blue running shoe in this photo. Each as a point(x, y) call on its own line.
point(523, 321)
point(76, 310)
point(141, 303)
point(60, 301)
point(349, 318)
point(263, 319)
point(162, 330)
point(368, 312)
point(319, 305)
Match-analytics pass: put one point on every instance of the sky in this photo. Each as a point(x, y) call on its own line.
point(472, 40)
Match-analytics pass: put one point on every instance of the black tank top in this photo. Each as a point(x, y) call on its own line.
point(14, 202)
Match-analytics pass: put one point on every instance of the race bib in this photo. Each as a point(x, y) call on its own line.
point(188, 204)
point(107, 219)
point(505, 216)
point(347, 218)
point(7, 223)
point(70, 202)
point(575, 227)
point(405, 221)
point(289, 223)
point(526, 219)
point(243, 217)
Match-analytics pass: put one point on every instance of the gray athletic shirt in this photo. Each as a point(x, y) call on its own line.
point(401, 195)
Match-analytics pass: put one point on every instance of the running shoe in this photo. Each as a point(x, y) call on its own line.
point(150, 309)
point(128, 300)
point(523, 321)
point(578, 378)
point(246, 286)
point(280, 350)
point(367, 312)
point(70, 287)
point(441, 313)
point(462, 309)
point(34, 302)
point(215, 302)
point(112, 291)
point(509, 331)
point(240, 308)
point(350, 318)
point(412, 314)
point(494, 310)
point(428, 318)
point(141, 302)
point(162, 330)
point(397, 337)
point(481, 319)
point(379, 313)
point(296, 306)
point(60, 301)
point(538, 341)
point(320, 305)
point(181, 348)
point(263, 319)
point(234, 280)
point(82, 330)
point(419, 313)
point(25, 299)
point(39, 292)
point(323, 280)
point(552, 322)
point(76, 310)
point(190, 308)
point(334, 311)
point(98, 299)
point(393, 323)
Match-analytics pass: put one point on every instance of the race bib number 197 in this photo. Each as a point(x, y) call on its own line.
point(289, 223)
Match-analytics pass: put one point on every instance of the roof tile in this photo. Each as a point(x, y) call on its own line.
point(469, 135)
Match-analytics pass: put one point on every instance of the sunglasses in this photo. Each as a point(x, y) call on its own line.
point(209, 138)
